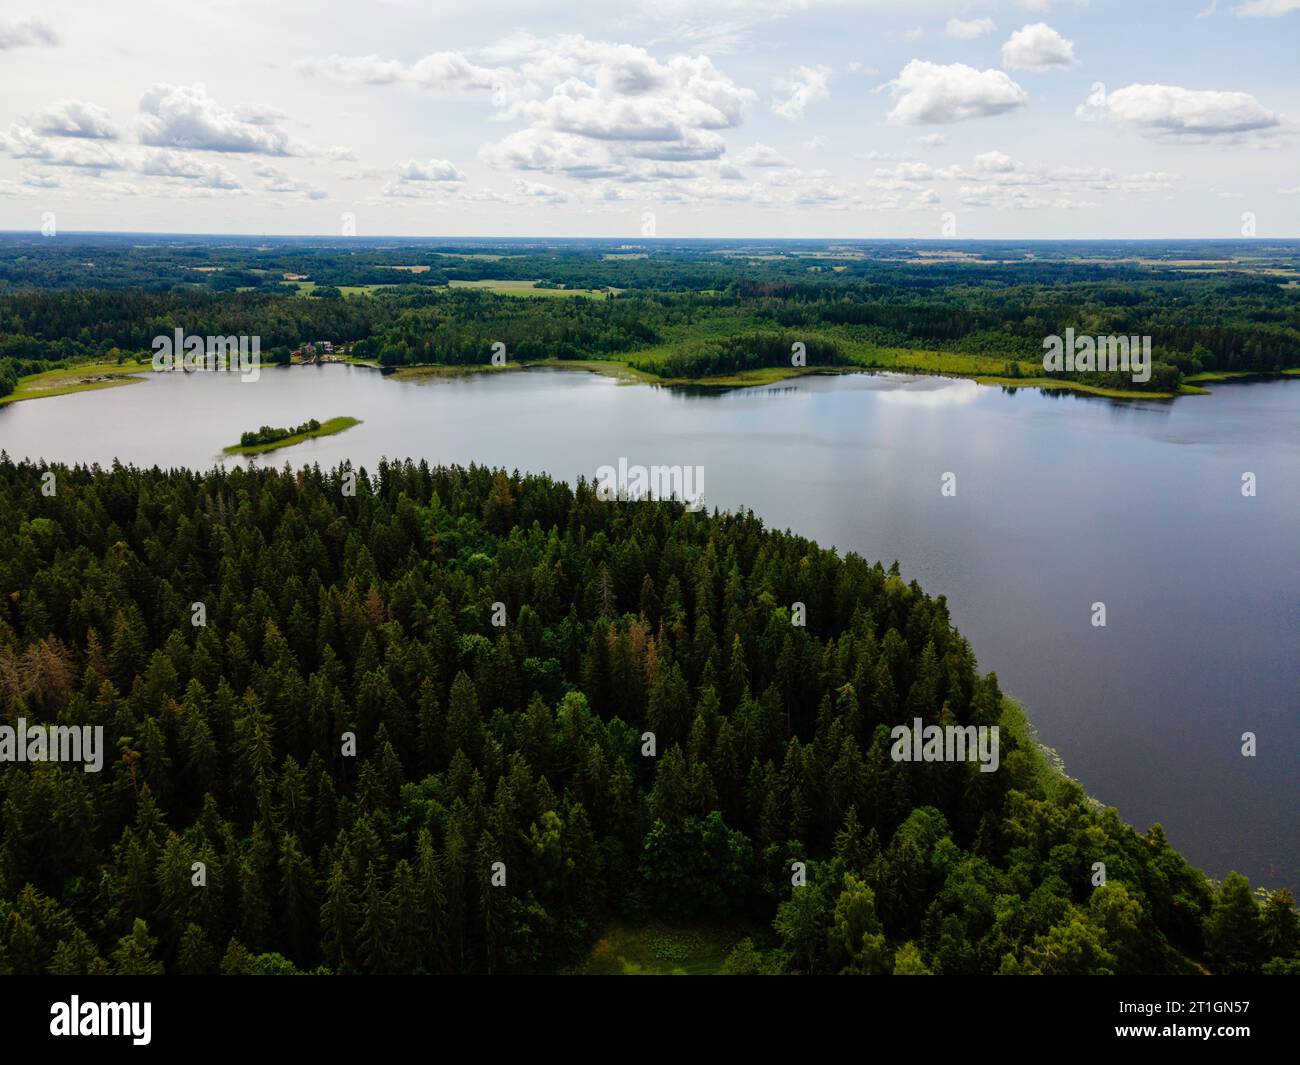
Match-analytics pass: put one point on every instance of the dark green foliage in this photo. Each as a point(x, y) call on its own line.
point(718, 309)
point(477, 744)
point(269, 435)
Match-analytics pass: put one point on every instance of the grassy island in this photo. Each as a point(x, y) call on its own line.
point(269, 438)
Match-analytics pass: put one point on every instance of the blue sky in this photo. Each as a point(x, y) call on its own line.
point(707, 118)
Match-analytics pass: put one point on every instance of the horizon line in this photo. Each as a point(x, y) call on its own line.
point(638, 239)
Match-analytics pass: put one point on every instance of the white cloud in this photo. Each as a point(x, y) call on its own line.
point(22, 142)
point(930, 140)
point(433, 170)
point(449, 71)
point(761, 155)
point(1172, 111)
point(184, 116)
point(277, 181)
point(1038, 47)
point(694, 144)
point(908, 172)
point(17, 32)
point(968, 29)
point(805, 86)
point(202, 172)
point(543, 150)
point(931, 93)
point(1003, 198)
point(600, 110)
point(995, 162)
point(73, 118)
point(535, 190)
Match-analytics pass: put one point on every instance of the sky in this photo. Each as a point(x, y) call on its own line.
point(997, 119)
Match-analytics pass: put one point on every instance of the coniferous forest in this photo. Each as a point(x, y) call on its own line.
point(400, 720)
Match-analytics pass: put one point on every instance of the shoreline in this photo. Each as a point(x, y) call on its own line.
point(90, 377)
point(628, 374)
point(86, 377)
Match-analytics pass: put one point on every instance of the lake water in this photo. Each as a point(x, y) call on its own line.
point(1061, 501)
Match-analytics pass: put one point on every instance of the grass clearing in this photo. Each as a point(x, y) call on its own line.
point(86, 377)
point(529, 288)
point(306, 288)
point(660, 949)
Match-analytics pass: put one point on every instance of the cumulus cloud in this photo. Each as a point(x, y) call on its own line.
point(277, 181)
point(761, 155)
point(805, 86)
point(1002, 198)
point(1172, 111)
point(693, 145)
point(903, 174)
point(436, 179)
point(448, 71)
point(996, 180)
point(73, 118)
point(968, 29)
point(17, 32)
point(542, 150)
point(184, 116)
point(932, 93)
point(23, 142)
point(433, 170)
point(1038, 47)
point(590, 109)
point(536, 190)
point(201, 172)
point(259, 114)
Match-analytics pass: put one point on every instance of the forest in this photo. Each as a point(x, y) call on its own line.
point(396, 722)
point(673, 312)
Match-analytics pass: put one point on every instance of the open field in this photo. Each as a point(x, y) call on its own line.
point(528, 288)
point(1231, 375)
point(306, 288)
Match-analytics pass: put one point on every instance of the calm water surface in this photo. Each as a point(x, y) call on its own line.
point(1061, 502)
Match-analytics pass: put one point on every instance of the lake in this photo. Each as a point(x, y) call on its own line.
point(1061, 502)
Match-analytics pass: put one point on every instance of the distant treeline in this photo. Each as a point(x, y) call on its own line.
point(735, 354)
point(1197, 322)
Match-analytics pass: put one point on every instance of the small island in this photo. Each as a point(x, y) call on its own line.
point(269, 438)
